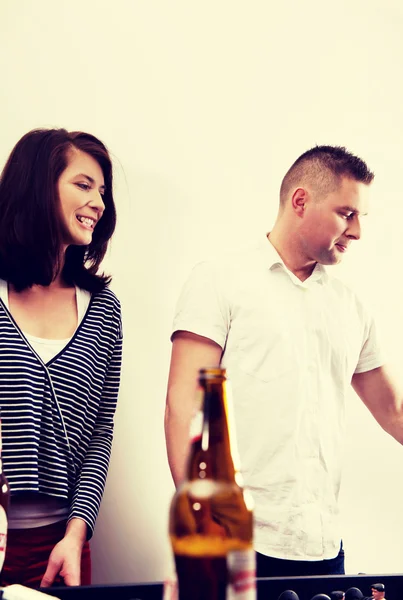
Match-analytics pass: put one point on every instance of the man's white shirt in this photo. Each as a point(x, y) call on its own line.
point(290, 350)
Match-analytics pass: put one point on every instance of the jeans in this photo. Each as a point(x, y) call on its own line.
point(266, 566)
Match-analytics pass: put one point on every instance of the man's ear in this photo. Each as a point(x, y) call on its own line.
point(299, 199)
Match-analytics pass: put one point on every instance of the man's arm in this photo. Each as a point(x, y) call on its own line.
point(190, 352)
point(383, 397)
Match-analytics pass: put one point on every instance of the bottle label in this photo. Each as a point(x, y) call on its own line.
point(241, 565)
point(219, 574)
point(170, 589)
point(3, 536)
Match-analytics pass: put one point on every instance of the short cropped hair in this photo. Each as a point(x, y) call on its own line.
point(337, 595)
point(31, 231)
point(323, 167)
point(353, 593)
point(379, 587)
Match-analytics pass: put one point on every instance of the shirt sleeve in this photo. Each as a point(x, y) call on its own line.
point(371, 355)
point(202, 309)
point(90, 484)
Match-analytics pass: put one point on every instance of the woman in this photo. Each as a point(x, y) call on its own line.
point(60, 351)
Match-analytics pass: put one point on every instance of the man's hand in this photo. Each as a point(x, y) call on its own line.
point(65, 558)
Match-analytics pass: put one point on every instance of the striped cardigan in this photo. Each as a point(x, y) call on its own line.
point(57, 419)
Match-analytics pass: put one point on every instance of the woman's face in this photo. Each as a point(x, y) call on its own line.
point(80, 188)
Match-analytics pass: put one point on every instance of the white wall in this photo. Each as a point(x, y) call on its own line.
point(204, 105)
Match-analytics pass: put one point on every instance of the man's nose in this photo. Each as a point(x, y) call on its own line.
point(354, 229)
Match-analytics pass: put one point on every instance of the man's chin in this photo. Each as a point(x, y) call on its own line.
point(330, 258)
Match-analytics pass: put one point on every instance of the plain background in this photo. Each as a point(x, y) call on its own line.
point(204, 106)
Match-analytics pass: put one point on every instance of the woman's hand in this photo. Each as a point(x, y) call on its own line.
point(65, 558)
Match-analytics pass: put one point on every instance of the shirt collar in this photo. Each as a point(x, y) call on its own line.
point(274, 261)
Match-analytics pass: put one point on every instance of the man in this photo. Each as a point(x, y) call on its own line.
point(292, 339)
point(378, 591)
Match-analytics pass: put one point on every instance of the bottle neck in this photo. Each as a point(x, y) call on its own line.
point(210, 454)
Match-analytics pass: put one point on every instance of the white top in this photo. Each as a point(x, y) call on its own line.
point(46, 348)
point(291, 349)
point(37, 510)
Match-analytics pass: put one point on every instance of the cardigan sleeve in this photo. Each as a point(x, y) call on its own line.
point(91, 479)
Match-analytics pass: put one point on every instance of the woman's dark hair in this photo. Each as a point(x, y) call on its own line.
point(30, 224)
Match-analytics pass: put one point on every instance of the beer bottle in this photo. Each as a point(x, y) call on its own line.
point(211, 518)
point(4, 502)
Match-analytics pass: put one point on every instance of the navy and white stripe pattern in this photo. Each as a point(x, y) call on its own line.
point(57, 419)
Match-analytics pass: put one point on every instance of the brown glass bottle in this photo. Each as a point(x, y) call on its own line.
point(211, 519)
point(4, 503)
